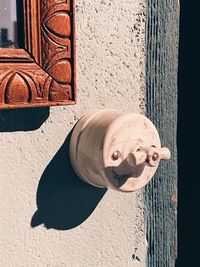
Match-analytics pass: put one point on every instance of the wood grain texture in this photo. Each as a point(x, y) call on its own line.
point(32, 39)
point(162, 71)
point(14, 55)
point(44, 73)
point(56, 30)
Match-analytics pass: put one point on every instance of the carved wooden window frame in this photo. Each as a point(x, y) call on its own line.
point(43, 73)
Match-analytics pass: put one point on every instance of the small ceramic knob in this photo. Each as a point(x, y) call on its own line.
point(117, 150)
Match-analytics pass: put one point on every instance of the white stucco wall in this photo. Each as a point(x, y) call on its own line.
point(110, 73)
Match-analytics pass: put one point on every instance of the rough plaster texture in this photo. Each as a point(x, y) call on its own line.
point(110, 73)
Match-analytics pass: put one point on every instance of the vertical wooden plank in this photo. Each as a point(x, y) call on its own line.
point(162, 72)
point(32, 29)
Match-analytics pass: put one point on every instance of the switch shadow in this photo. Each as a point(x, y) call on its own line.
point(63, 200)
point(25, 119)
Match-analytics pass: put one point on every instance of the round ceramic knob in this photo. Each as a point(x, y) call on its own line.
point(117, 150)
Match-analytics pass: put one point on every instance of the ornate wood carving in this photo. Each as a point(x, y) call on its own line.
point(45, 74)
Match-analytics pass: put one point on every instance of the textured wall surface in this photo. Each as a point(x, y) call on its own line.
point(162, 97)
point(47, 216)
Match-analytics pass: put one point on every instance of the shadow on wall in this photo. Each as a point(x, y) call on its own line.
point(22, 119)
point(63, 200)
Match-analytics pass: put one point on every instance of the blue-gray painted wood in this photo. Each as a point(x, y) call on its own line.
point(162, 73)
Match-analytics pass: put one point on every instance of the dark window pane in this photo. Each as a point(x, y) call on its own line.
point(9, 24)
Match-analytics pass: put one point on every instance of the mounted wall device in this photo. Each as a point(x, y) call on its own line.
point(117, 150)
